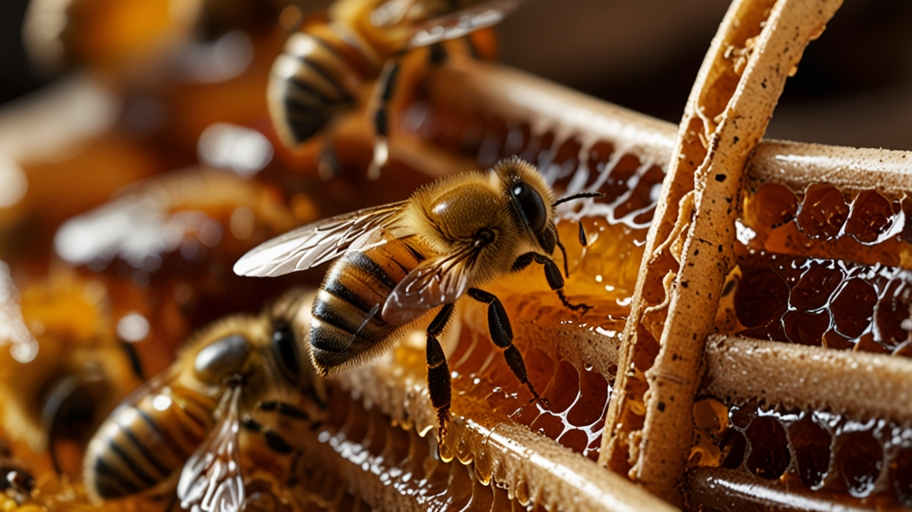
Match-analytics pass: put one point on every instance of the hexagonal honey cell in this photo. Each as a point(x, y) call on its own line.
point(839, 460)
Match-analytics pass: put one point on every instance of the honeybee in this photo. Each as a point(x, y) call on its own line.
point(403, 261)
point(65, 369)
point(360, 41)
point(189, 417)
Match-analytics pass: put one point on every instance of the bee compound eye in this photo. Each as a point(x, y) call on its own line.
point(221, 358)
point(531, 206)
point(285, 347)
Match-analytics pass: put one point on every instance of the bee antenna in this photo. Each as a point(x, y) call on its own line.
point(580, 195)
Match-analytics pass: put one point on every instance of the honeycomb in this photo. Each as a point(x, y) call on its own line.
point(822, 302)
point(405, 473)
point(832, 457)
point(675, 378)
point(823, 267)
point(866, 226)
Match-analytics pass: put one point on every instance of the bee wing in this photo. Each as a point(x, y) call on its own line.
point(462, 22)
point(434, 282)
point(316, 243)
point(211, 479)
point(150, 387)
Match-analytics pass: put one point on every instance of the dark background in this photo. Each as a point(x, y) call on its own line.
point(853, 87)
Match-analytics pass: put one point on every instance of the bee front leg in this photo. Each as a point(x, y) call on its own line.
point(385, 88)
point(552, 274)
point(315, 418)
point(502, 336)
point(438, 371)
point(274, 441)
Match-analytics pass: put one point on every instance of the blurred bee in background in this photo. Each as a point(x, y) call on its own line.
point(405, 260)
point(231, 376)
point(359, 42)
point(110, 35)
point(117, 36)
point(65, 369)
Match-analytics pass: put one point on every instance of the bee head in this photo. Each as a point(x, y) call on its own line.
point(531, 200)
point(222, 358)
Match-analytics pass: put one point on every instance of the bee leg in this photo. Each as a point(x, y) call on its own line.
point(289, 411)
point(556, 282)
point(133, 357)
point(502, 336)
point(552, 274)
point(274, 441)
point(285, 410)
point(327, 163)
point(438, 372)
point(437, 54)
point(386, 87)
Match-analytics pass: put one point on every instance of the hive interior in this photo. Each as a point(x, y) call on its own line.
point(816, 265)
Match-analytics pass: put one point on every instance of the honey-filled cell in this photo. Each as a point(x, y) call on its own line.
point(769, 455)
point(564, 388)
point(590, 405)
point(853, 307)
point(806, 328)
point(859, 460)
point(830, 457)
point(864, 226)
point(812, 301)
point(871, 217)
point(891, 312)
point(562, 162)
point(761, 296)
point(815, 286)
point(823, 211)
point(771, 206)
point(811, 444)
point(901, 473)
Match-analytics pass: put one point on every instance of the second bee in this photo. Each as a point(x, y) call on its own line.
point(237, 373)
point(326, 63)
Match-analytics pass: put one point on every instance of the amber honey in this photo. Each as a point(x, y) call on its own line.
point(857, 462)
point(403, 465)
point(864, 226)
point(822, 302)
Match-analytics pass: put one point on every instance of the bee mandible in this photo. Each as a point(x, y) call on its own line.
point(327, 61)
point(404, 261)
point(187, 419)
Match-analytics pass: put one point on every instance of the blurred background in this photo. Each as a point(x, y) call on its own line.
point(854, 85)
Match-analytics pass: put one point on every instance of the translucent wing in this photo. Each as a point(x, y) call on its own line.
point(432, 283)
point(461, 22)
point(211, 480)
point(316, 243)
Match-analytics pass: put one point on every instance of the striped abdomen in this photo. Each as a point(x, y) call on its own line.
point(315, 77)
point(343, 329)
point(142, 445)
